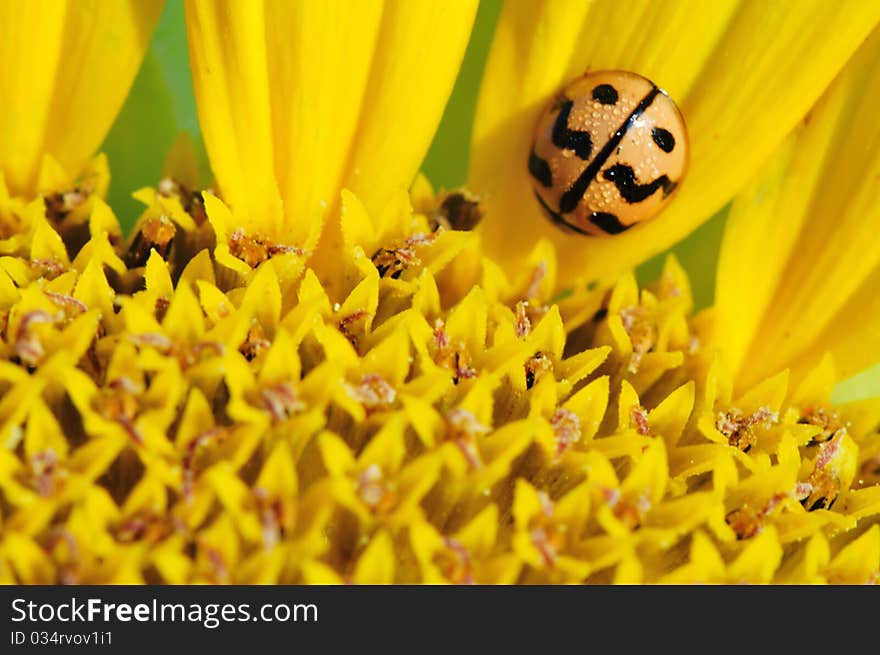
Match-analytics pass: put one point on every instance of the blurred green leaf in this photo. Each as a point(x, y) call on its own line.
point(447, 160)
point(170, 49)
point(159, 105)
point(137, 143)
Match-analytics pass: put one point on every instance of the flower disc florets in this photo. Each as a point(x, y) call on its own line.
point(197, 404)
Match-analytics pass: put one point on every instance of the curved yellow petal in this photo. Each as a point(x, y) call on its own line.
point(227, 46)
point(319, 65)
point(420, 48)
point(67, 66)
point(298, 99)
point(853, 334)
point(800, 261)
point(743, 74)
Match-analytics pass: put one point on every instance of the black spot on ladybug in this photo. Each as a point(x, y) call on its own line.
point(558, 219)
point(563, 137)
point(625, 180)
point(663, 138)
point(540, 170)
point(606, 94)
point(570, 199)
point(608, 223)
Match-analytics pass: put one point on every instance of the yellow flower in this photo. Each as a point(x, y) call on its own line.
point(302, 374)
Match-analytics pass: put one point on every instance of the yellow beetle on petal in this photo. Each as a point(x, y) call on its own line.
point(608, 153)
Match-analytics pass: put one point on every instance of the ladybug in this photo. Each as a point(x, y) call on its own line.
point(608, 153)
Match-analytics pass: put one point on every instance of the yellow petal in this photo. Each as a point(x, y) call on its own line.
point(319, 61)
point(705, 564)
point(318, 573)
point(227, 46)
point(279, 473)
point(420, 47)
point(29, 562)
point(669, 418)
point(858, 562)
point(67, 67)
point(590, 404)
point(181, 163)
point(758, 561)
point(298, 99)
point(526, 504)
point(376, 564)
point(233, 494)
point(479, 534)
point(805, 566)
point(742, 73)
point(387, 449)
point(800, 261)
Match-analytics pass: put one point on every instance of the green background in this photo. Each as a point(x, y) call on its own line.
point(161, 105)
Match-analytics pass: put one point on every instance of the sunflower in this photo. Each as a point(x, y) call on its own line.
point(320, 369)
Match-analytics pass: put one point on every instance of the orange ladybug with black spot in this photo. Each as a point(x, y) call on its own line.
point(608, 153)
